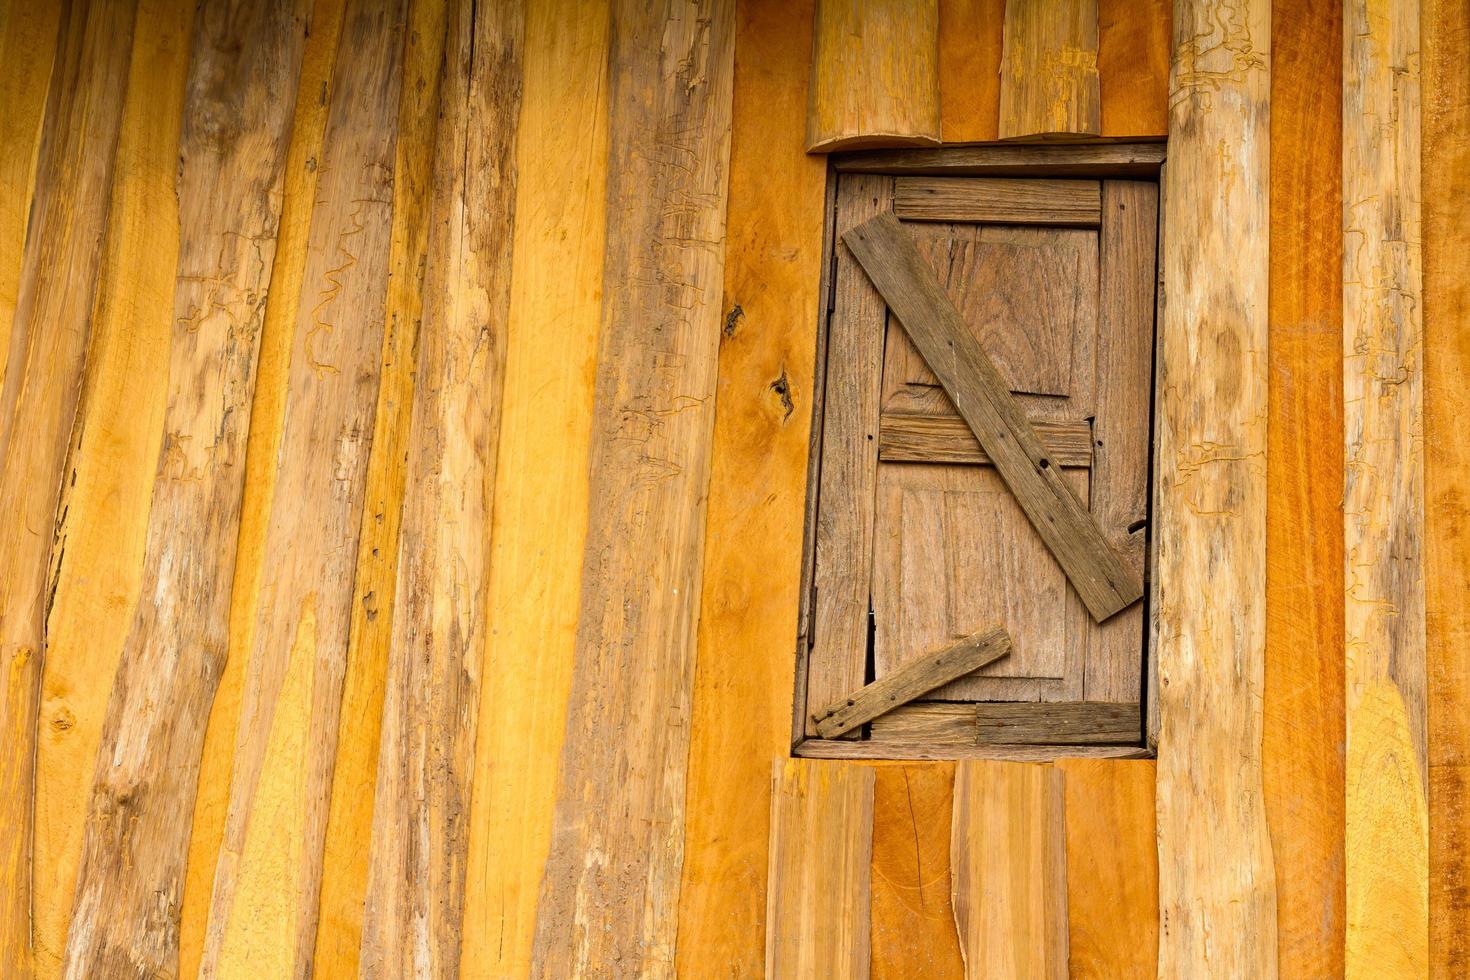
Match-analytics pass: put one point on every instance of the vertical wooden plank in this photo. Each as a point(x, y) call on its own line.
point(1383, 499)
point(541, 493)
point(113, 458)
point(263, 910)
point(1048, 72)
point(875, 75)
point(415, 896)
point(262, 454)
point(1217, 898)
point(346, 849)
point(1446, 186)
point(1112, 869)
point(820, 853)
point(913, 927)
point(38, 401)
point(970, 35)
point(1302, 751)
point(1009, 871)
point(1133, 66)
point(741, 714)
point(610, 890)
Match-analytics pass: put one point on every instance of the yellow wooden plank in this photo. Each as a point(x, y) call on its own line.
point(1048, 70)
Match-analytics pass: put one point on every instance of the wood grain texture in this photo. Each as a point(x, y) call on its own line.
point(1112, 869)
point(1387, 835)
point(1123, 160)
point(347, 848)
point(970, 40)
point(38, 402)
point(945, 439)
point(412, 921)
point(820, 866)
point(1048, 72)
point(912, 918)
point(875, 75)
point(1302, 751)
point(949, 751)
point(234, 136)
point(889, 256)
point(742, 706)
point(262, 455)
point(263, 909)
point(1058, 723)
point(1133, 41)
point(1217, 897)
point(610, 889)
point(998, 200)
point(1009, 870)
point(1446, 229)
point(915, 678)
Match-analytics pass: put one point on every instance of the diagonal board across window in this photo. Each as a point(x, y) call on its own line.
point(981, 455)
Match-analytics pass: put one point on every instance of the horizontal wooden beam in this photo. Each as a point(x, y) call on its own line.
point(947, 439)
point(1058, 723)
point(999, 200)
point(1127, 160)
point(840, 748)
point(1105, 583)
point(912, 680)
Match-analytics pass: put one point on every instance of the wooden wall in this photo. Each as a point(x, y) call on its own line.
point(404, 427)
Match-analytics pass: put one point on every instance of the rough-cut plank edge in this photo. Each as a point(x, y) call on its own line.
point(830, 806)
point(819, 748)
point(1123, 159)
point(999, 200)
point(913, 679)
point(1100, 577)
point(1058, 723)
point(947, 439)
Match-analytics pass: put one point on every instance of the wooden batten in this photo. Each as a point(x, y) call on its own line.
point(875, 75)
point(1383, 501)
point(1048, 72)
point(820, 870)
point(1217, 889)
point(1060, 723)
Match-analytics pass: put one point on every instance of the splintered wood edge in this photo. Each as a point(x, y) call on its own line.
point(913, 680)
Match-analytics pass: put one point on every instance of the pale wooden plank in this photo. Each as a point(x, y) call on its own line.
point(264, 902)
point(819, 872)
point(39, 396)
point(901, 275)
point(1445, 186)
point(1009, 868)
point(875, 75)
point(822, 748)
point(1387, 837)
point(1048, 71)
point(915, 678)
point(970, 36)
point(999, 200)
point(1123, 160)
point(413, 917)
point(231, 153)
point(623, 798)
point(1217, 899)
point(927, 722)
point(1058, 723)
point(904, 438)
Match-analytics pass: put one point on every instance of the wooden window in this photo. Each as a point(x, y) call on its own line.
point(1035, 268)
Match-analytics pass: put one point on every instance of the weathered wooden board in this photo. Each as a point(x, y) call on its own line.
point(1383, 494)
point(901, 275)
point(875, 75)
point(1048, 71)
point(1091, 160)
point(622, 800)
point(1446, 229)
point(917, 677)
point(946, 439)
point(1058, 723)
point(909, 749)
point(1303, 710)
point(39, 396)
point(233, 141)
point(1217, 899)
point(1009, 870)
point(264, 905)
point(998, 200)
point(820, 870)
point(970, 41)
point(1133, 42)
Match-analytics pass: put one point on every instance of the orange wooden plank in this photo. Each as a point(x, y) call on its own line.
point(1133, 66)
point(970, 37)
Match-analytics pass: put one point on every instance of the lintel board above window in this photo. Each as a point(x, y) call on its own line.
point(915, 541)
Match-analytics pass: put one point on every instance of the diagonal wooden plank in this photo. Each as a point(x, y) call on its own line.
point(913, 679)
point(899, 272)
